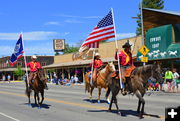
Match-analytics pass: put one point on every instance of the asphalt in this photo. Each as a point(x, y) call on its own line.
point(71, 103)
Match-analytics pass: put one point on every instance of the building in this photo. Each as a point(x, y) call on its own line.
point(6, 68)
point(162, 37)
point(65, 67)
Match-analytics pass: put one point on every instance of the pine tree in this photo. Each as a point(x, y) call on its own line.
point(154, 4)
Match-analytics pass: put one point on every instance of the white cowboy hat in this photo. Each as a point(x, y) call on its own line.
point(33, 57)
point(97, 54)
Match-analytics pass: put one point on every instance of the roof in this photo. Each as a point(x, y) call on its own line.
point(11, 69)
point(154, 18)
point(76, 63)
point(163, 11)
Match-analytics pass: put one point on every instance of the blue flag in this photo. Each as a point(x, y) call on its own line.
point(18, 51)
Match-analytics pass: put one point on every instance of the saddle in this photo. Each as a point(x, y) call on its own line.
point(128, 72)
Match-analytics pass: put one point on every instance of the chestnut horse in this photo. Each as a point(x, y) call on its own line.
point(136, 84)
point(38, 86)
point(101, 81)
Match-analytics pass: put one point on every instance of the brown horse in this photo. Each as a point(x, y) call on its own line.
point(101, 81)
point(136, 84)
point(38, 86)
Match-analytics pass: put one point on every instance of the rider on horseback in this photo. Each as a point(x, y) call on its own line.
point(34, 67)
point(126, 61)
point(97, 66)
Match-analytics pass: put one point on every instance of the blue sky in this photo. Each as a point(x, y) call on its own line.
point(41, 21)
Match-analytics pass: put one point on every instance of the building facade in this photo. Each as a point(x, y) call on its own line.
point(6, 69)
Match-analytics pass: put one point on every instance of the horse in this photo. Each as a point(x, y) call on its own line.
point(38, 86)
point(136, 84)
point(101, 81)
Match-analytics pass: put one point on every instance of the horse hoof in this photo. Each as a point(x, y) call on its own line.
point(108, 101)
point(119, 113)
point(99, 101)
point(141, 116)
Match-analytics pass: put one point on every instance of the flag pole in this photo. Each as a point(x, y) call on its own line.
point(92, 66)
point(119, 67)
point(142, 26)
point(25, 62)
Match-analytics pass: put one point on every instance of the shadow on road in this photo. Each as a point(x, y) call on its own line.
point(94, 101)
point(33, 105)
point(125, 113)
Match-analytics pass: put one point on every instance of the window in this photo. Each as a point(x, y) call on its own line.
point(43, 64)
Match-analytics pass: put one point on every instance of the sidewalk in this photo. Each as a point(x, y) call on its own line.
point(166, 87)
point(11, 81)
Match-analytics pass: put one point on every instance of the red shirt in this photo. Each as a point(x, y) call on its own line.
point(34, 66)
point(97, 63)
point(124, 58)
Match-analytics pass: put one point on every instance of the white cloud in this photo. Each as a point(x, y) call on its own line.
point(52, 23)
point(125, 35)
point(72, 21)
point(40, 49)
point(85, 17)
point(35, 35)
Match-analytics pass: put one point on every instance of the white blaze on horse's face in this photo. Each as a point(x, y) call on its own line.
point(112, 67)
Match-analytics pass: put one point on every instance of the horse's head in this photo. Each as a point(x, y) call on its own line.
point(156, 73)
point(111, 67)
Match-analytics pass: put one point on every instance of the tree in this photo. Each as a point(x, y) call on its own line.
point(155, 4)
point(19, 72)
point(70, 49)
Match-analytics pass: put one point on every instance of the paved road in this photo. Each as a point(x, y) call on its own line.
point(71, 104)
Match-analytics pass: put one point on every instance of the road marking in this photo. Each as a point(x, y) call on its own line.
point(72, 103)
point(9, 117)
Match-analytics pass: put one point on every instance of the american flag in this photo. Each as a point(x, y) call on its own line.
point(103, 31)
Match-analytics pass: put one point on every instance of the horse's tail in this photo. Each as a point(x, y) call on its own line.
point(108, 92)
point(87, 85)
point(27, 91)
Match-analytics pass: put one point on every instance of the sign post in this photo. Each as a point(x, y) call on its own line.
point(144, 51)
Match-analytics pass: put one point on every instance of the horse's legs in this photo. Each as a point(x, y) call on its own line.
point(38, 99)
point(115, 101)
point(42, 97)
point(107, 95)
point(110, 105)
point(141, 99)
point(35, 97)
point(99, 94)
point(91, 90)
point(139, 105)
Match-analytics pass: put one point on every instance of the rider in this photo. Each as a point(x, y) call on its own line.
point(125, 60)
point(34, 67)
point(97, 66)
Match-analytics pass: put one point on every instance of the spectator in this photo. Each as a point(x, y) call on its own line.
point(169, 78)
point(72, 79)
point(76, 79)
point(9, 77)
point(175, 78)
point(4, 78)
point(55, 78)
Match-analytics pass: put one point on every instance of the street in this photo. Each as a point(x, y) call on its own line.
point(70, 103)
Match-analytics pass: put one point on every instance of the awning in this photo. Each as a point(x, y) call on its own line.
point(11, 69)
point(76, 63)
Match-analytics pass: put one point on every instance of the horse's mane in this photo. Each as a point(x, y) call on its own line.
point(143, 69)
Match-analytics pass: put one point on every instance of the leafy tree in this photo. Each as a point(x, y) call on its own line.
point(19, 72)
point(155, 4)
point(70, 49)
